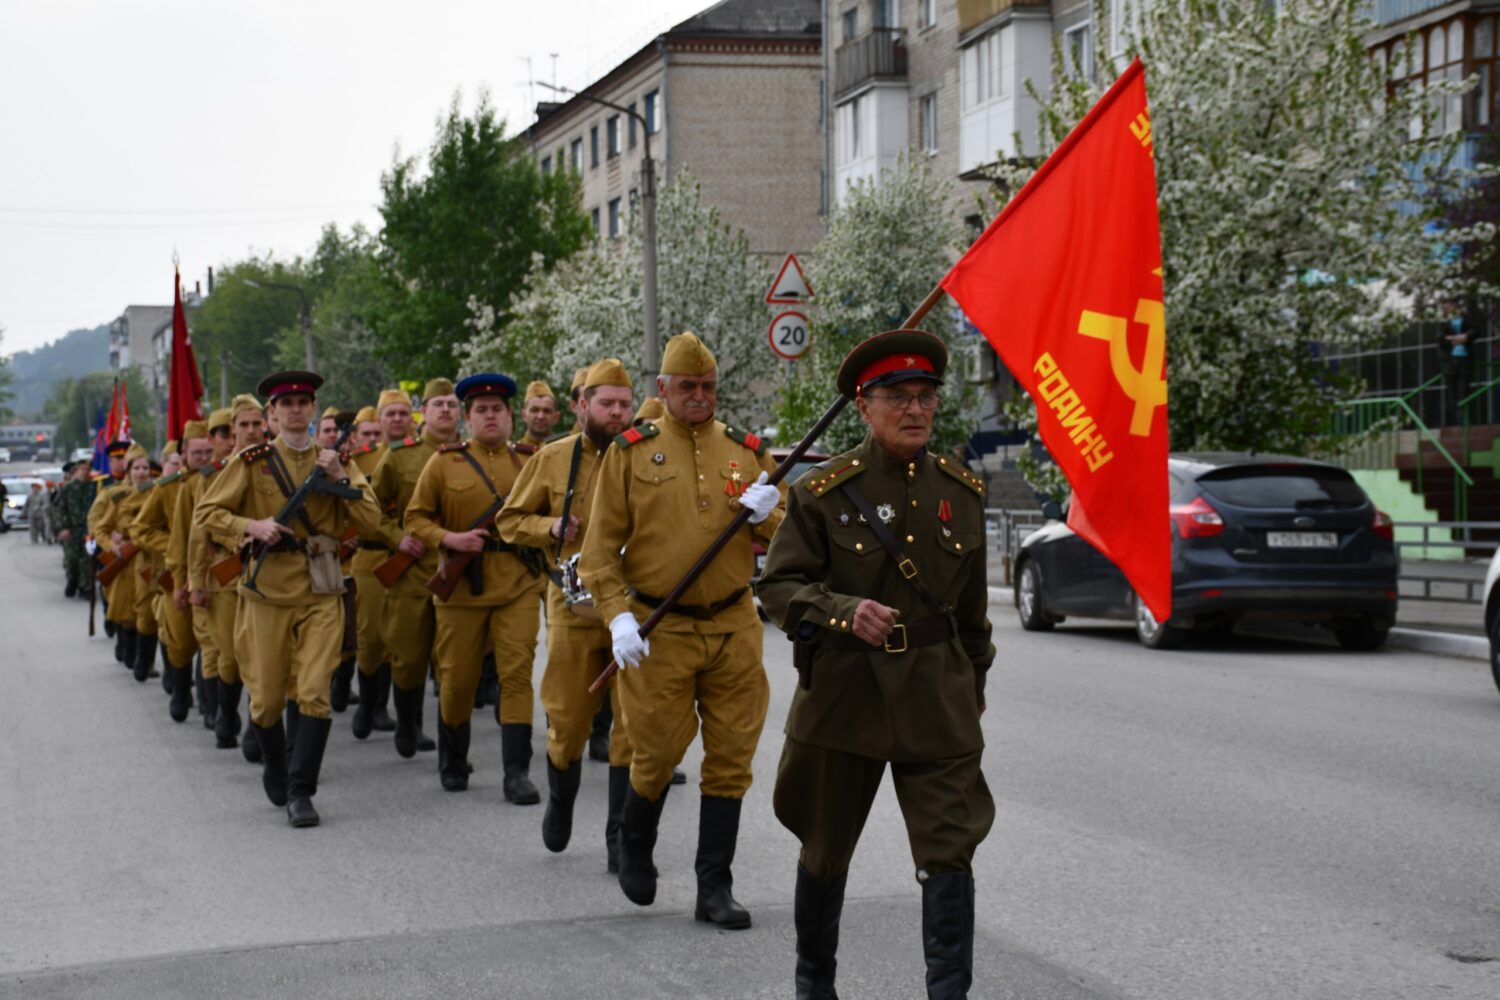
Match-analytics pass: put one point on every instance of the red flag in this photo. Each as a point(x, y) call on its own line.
point(122, 421)
point(1066, 285)
point(184, 386)
point(112, 422)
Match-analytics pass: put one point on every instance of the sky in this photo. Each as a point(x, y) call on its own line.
point(131, 130)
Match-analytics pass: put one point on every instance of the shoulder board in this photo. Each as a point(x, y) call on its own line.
point(255, 453)
point(453, 446)
point(211, 468)
point(636, 435)
point(963, 475)
point(117, 492)
point(839, 470)
point(145, 486)
point(749, 440)
point(403, 443)
point(164, 480)
point(522, 448)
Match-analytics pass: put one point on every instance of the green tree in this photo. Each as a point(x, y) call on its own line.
point(466, 228)
point(868, 280)
point(6, 378)
point(75, 403)
point(239, 328)
point(1298, 179)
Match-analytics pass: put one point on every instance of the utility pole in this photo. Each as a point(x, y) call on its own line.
point(223, 380)
point(651, 353)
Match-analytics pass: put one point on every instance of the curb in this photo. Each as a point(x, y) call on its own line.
point(1467, 647)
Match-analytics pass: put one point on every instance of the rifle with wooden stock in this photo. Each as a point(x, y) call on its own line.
point(317, 481)
point(116, 565)
point(455, 565)
point(392, 569)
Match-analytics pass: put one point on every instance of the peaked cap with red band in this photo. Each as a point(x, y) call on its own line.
point(486, 384)
point(272, 387)
point(892, 357)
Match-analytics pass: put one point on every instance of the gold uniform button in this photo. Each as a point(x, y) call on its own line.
point(910, 539)
point(855, 462)
point(843, 624)
point(958, 546)
point(859, 546)
point(833, 621)
point(913, 503)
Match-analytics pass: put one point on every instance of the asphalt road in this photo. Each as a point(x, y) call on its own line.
point(1250, 818)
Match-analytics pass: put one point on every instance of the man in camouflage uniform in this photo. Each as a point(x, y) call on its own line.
point(72, 512)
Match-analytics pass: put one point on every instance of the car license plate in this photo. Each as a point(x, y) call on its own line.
point(1302, 540)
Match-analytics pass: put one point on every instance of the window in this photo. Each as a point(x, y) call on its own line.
point(614, 218)
point(653, 114)
point(1078, 51)
point(546, 165)
point(594, 217)
point(630, 128)
point(887, 14)
point(926, 13)
point(593, 147)
point(851, 24)
point(929, 124)
point(856, 112)
point(612, 135)
point(576, 160)
point(982, 69)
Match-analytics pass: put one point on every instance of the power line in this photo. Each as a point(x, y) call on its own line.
point(246, 210)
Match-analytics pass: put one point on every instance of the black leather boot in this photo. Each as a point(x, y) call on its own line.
point(408, 719)
point(293, 726)
point(718, 833)
point(307, 762)
point(488, 692)
point(167, 676)
point(272, 742)
point(599, 731)
point(182, 693)
point(250, 745)
point(209, 706)
point(119, 635)
point(638, 821)
point(619, 780)
point(338, 691)
point(145, 657)
point(380, 718)
point(110, 628)
point(515, 754)
point(364, 716)
point(227, 718)
point(816, 916)
point(948, 934)
point(200, 687)
point(562, 790)
point(453, 756)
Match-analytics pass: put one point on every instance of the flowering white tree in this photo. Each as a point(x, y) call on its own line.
point(1299, 183)
point(888, 245)
point(589, 306)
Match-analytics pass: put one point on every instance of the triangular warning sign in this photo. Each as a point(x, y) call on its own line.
point(790, 286)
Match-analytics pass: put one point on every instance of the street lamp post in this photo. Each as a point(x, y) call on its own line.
point(307, 336)
point(652, 351)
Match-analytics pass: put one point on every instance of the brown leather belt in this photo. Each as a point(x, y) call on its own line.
point(932, 632)
point(374, 546)
point(496, 545)
point(285, 545)
point(699, 611)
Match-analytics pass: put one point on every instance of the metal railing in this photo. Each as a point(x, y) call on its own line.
point(1371, 438)
point(1006, 529)
point(880, 53)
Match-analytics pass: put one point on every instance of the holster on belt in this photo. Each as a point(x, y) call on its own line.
point(803, 648)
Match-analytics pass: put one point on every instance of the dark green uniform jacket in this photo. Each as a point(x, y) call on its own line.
point(921, 704)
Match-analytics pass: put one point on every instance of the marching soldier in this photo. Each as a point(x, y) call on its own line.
point(72, 513)
point(140, 574)
point(393, 410)
point(878, 576)
point(548, 508)
point(575, 392)
point(408, 614)
point(540, 414)
point(665, 492)
point(290, 618)
point(153, 530)
point(106, 492)
point(188, 595)
point(369, 447)
point(453, 508)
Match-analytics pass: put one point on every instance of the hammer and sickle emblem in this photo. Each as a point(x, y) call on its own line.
point(1145, 385)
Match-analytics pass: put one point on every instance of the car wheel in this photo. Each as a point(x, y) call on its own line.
point(1361, 636)
point(1152, 633)
point(1494, 632)
point(1029, 599)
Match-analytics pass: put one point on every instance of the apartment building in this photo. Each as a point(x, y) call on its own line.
point(733, 94)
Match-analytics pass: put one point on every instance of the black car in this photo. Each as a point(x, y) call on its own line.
point(1253, 537)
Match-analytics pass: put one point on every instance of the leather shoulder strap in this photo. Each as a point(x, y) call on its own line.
point(904, 565)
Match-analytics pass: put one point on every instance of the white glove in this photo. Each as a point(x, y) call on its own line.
point(629, 648)
point(760, 498)
point(91, 547)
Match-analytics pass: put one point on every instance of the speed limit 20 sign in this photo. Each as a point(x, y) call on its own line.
point(789, 335)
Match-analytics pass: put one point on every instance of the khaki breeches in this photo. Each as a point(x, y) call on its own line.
point(223, 611)
point(462, 637)
point(369, 610)
point(824, 796)
point(289, 652)
point(176, 628)
point(411, 626)
point(143, 594)
point(688, 676)
point(575, 656)
point(119, 598)
point(204, 635)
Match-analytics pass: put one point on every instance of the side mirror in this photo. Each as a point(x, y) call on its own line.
point(1052, 510)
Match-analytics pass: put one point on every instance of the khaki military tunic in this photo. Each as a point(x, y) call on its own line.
point(145, 567)
point(213, 624)
point(578, 648)
point(119, 596)
point(449, 496)
point(153, 530)
point(409, 619)
point(369, 595)
point(665, 492)
point(913, 703)
point(286, 630)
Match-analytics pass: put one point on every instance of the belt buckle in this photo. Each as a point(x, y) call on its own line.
point(902, 629)
point(907, 567)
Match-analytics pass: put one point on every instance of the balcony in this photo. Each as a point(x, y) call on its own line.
point(879, 55)
point(1394, 11)
point(973, 13)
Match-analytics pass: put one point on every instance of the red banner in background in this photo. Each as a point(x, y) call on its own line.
point(185, 385)
point(1066, 285)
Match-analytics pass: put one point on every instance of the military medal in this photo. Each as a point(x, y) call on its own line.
point(736, 484)
point(844, 519)
point(887, 512)
point(945, 512)
point(658, 458)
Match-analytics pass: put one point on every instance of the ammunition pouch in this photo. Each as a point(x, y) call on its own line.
point(325, 574)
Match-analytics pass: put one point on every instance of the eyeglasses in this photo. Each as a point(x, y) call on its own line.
point(902, 401)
